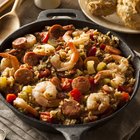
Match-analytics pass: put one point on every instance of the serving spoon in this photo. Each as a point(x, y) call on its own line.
point(2, 134)
point(9, 22)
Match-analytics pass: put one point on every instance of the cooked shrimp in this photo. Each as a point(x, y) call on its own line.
point(14, 61)
point(82, 39)
point(5, 62)
point(43, 92)
point(102, 74)
point(45, 49)
point(123, 66)
point(67, 36)
point(20, 103)
point(112, 50)
point(107, 89)
point(31, 40)
point(77, 33)
point(98, 102)
point(118, 80)
point(62, 66)
point(122, 63)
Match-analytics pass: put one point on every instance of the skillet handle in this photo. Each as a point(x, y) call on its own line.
point(73, 133)
point(61, 13)
point(137, 56)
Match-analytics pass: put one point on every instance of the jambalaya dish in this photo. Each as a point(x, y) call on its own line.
point(65, 75)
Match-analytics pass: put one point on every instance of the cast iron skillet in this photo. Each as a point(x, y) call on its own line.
point(72, 132)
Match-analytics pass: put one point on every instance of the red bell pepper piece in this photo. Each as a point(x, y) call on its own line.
point(76, 94)
point(10, 97)
point(125, 96)
point(45, 38)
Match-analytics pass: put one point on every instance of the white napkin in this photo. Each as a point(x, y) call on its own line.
point(15, 128)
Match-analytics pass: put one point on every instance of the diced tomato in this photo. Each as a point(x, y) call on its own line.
point(76, 94)
point(125, 96)
point(45, 116)
point(10, 97)
point(45, 38)
point(92, 51)
point(102, 46)
point(66, 84)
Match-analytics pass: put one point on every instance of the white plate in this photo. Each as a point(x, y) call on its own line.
point(112, 22)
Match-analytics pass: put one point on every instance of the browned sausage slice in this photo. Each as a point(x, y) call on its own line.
point(81, 83)
point(19, 43)
point(56, 81)
point(31, 59)
point(56, 31)
point(23, 76)
point(71, 108)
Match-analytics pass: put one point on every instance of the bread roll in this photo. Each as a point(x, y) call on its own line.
point(102, 7)
point(129, 12)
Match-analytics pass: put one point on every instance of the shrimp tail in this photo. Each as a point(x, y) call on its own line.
point(20, 103)
point(112, 50)
point(102, 74)
point(14, 60)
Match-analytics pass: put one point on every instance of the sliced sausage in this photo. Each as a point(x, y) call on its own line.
point(23, 76)
point(81, 83)
point(56, 31)
point(19, 43)
point(31, 58)
point(56, 82)
point(71, 108)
